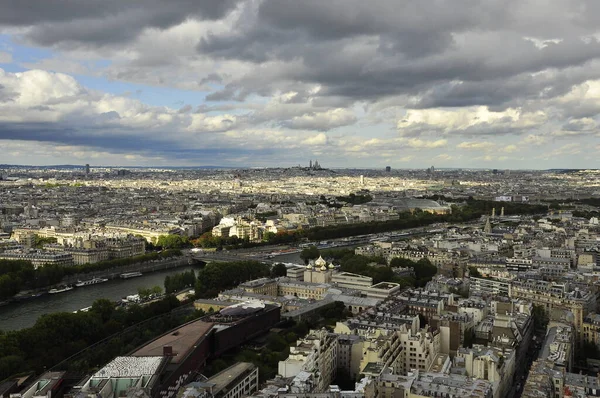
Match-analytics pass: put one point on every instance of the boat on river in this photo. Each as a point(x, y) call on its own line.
point(128, 275)
point(60, 289)
point(89, 282)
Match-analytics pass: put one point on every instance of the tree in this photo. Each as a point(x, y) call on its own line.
point(146, 293)
point(172, 241)
point(424, 271)
point(278, 269)
point(309, 253)
point(103, 307)
point(399, 262)
point(474, 272)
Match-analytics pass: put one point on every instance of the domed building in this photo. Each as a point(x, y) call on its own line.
point(318, 272)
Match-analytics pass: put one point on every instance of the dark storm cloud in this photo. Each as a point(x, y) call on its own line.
point(367, 51)
point(119, 142)
point(103, 21)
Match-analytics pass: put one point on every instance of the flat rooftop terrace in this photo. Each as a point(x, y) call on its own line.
point(182, 340)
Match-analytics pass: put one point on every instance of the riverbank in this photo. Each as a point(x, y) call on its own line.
point(15, 316)
point(111, 273)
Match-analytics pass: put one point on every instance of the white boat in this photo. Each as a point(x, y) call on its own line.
point(60, 289)
point(92, 281)
point(128, 275)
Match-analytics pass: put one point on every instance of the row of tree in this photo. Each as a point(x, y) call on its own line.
point(470, 210)
point(179, 281)
point(215, 277)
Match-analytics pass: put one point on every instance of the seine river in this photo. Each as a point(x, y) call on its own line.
point(16, 316)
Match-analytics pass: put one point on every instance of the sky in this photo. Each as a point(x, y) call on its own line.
point(275, 83)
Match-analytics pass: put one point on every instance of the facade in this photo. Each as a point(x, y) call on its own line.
point(264, 286)
point(591, 329)
point(352, 281)
point(40, 259)
point(305, 290)
point(553, 295)
point(318, 271)
point(312, 363)
point(489, 287)
point(489, 363)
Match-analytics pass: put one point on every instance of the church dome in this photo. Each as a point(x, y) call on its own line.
point(331, 266)
point(320, 262)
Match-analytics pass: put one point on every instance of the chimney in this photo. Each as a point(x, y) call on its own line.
point(167, 351)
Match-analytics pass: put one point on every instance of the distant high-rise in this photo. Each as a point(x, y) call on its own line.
point(362, 180)
point(87, 169)
point(388, 169)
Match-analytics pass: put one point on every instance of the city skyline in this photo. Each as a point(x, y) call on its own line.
point(274, 83)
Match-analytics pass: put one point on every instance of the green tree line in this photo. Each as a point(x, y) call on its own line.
point(179, 281)
point(472, 209)
point(215, 277)
point(57, 336)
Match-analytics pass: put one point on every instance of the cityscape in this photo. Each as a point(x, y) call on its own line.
point(299, 199)
point(299, 281)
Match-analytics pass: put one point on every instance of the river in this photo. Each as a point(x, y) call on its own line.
point(17, 316)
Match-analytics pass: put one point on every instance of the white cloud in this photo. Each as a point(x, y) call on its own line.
point(323, 120)
point(533, 139)
point(423, 144)
point(316, 140)
point(464, 118)
point(476, 146)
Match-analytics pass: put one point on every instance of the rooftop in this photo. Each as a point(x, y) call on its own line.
point(182, 341)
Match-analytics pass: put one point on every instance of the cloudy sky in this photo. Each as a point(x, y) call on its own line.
point(352, 83)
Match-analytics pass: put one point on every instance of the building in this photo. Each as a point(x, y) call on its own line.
point(237, 381)
point(318, 272)
point(264, 286)
point(312, 363)
point(305, 290)
point(489, 287)
point(48, 385)
point(352, 281)
point(493, 364)
point(40, 259)
point(382, 290)
point(591, 329)
point(552, 295)
point(558, 347)
point(421, 302)
point(296, 273)
point(125, 376)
